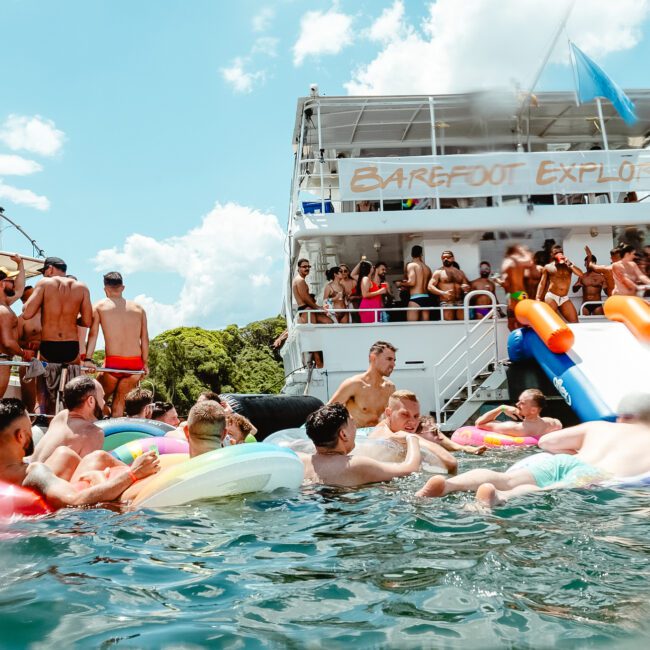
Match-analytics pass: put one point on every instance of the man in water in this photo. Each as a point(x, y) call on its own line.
point(165, 412)
point(333, 432)
point(417, 278)
point(63, 304)
point(554, 286)
point(449, 282)
point(303, 298)
point(526, 416)
point(366, 395)
point(481, 304)
point(604, 270)
point(29, 338)
point(402, 418)
point(124, 325)
point(12, 285)
point(75, 427)
point(138, 403)
point(515, 263)
point(587, 454)
point(628, 279)
point(592, 284)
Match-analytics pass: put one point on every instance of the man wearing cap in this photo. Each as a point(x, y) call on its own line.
point(124, 325)
point(64, 303)
point(12, 285)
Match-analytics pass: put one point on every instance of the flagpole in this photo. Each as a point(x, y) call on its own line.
point(604, 133)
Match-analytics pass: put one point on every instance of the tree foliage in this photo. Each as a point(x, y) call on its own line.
point(188, 360)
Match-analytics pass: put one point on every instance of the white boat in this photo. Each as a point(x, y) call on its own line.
point(488, 170)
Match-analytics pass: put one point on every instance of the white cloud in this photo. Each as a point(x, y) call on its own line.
point(474, 44)
point(23, 197)
point(239, 78)
point(231, 266)
point(262, 20)
point(34, 134)
point(266, 45)
point(390, 24)
point(17, 165)
point(322, 33)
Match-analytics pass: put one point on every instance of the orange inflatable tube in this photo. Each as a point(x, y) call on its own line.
point(553, 331)
point(634, 312)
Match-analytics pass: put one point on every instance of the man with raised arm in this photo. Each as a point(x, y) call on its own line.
point(417, 279)
point(592, 284)
point(64, 303)
point(526, 416)
point(124, 325)
point(366, 395)
point(628, 278)
point(554, 286)
point(517, 260)
point(450, 283)
point(580, 456)
point(77, 488)
point(604, 270)
point(333, 432)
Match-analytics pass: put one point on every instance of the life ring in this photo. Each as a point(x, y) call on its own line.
point(128, 452)
point(238, 469)
point(478, 437)
point(16, 500)
point(112, 426)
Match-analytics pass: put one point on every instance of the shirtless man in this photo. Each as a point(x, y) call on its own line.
point(165, 412)
point(554, 286)
point(402, 418)
point(417, 276)
point(29, 338)
point(628, 279)
point(517, 260)
point(366, 395)
point(303, 298)
point(592, 284)
point(587, 454)
point(60, 490)
point(124, 325)
point(449, 283)
point(482, 283)
point(64, 303)
point(605, 271)
point(533, 274)
point(12, 285)
point(429, 430)
point(138, 403)
point(333, 432)
point(74, 426)
point(526, 416)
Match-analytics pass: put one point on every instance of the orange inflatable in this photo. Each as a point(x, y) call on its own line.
point(553, 331)
point(634, 312)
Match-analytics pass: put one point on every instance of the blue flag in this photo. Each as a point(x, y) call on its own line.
point(594, 82)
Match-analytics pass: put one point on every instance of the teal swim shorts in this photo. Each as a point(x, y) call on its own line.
point(567, 470)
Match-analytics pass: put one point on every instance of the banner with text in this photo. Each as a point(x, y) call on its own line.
point(498, 174)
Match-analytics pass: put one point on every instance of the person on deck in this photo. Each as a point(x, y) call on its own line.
point(605, 270)
point(303, 298)
point(449, 283)
point(29, 338)
point(417, 277)
point(554, 286)
point(628, 278)
point(517, 260)
point(592, 284)
point(481, 304)
point(371, 293)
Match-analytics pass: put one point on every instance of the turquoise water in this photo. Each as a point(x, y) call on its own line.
point(373, 567)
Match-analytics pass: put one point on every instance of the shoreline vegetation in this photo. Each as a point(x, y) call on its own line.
point(185, 361)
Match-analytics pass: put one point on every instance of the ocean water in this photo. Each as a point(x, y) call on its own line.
point(373, 567)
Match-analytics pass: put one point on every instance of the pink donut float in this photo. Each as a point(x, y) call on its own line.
point(19, 501)
point(478, 437)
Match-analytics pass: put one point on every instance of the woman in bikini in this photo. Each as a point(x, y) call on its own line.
point(335, 293)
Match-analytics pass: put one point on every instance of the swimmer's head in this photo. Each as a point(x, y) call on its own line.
point(531, 402)
point(635, 407)
point(331, 427)
point(403, 411)
point(238, 428)
point(204, 427)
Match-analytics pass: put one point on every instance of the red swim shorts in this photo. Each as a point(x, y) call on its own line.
point(123, 363)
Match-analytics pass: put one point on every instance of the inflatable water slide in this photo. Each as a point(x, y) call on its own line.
point(591, 365)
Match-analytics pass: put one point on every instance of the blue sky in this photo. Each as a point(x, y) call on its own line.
point(158, 133)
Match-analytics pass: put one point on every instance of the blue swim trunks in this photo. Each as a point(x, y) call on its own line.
point(563, 469)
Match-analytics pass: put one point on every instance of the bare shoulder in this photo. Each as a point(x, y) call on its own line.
point(134, 307)
point(389, 386)
point(101, 305)
point(553, 423)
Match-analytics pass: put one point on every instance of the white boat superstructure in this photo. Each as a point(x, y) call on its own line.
point(473, 173)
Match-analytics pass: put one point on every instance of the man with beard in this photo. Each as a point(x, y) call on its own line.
point(12, 285)
point(481, 304)
point(449, 283)
point(74, 426)
point(387, 299)
point(555, 284)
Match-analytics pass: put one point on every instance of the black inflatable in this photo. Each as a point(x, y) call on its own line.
point(271, 413)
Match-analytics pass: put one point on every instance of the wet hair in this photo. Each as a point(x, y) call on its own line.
point(209, 395)
point(402, 395)
point(379, 346)
point(77, 390)
point(160, 408)
point(635, 406)
point(10, 409)
point(416, 251)
point(136, 400)
point(113, 279)
point(628, 248)
point(323, 426)
point(537, 396)
point(242, 423)
point(206, 421)
point(364, 271)
point(330, 273)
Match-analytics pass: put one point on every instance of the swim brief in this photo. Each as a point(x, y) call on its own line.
point(516, 296)
point(421, 299)
point(590, 309)
point(563, 470)
point(480, 312)
point(59, 351)
point(558, 300)
point(123, 363)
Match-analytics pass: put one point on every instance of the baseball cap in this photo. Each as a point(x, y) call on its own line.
point(56, 262)
point(6, 273)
